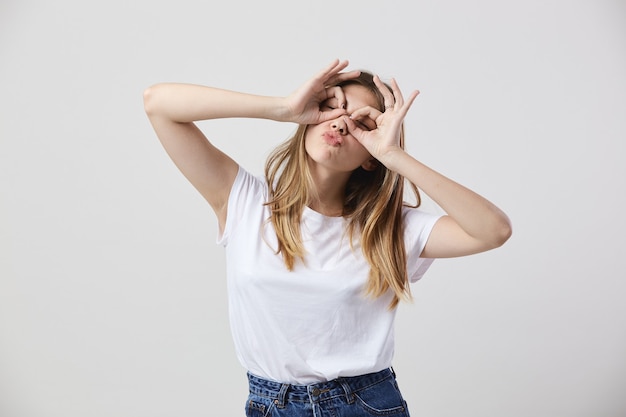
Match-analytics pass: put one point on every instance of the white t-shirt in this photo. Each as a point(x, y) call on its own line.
point(314, 323)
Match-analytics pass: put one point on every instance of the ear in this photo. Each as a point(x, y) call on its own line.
point(370, 165)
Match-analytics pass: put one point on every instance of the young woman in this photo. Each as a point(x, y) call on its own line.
point(321, 250)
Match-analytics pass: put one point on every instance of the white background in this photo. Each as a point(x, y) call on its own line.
point(112, 291)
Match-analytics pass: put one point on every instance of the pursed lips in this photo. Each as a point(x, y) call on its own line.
point(333, 138)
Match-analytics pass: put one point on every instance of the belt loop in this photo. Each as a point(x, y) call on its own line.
point(392, 372)
point(347, 389)
point(282, 394)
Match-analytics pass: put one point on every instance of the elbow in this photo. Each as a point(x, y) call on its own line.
point(151, 99)
point(502, 233)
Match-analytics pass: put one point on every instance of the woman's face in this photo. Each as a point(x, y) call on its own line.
point(329, 145)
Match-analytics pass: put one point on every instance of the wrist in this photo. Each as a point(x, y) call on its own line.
point(280, 110)
point(392, 159)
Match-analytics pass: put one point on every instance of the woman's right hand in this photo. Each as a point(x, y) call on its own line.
point(303, 106)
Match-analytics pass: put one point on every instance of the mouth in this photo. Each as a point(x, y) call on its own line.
point(333, 138)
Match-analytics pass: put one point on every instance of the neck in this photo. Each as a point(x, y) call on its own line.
point(329, 210)
point(328, 196)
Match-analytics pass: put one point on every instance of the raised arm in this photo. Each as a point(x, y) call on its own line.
point(173, 109)
point(472, 224)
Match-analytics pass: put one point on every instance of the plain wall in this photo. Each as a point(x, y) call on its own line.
point(112, 290)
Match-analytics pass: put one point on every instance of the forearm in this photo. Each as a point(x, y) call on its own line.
point(476, 215)
point(184, 103)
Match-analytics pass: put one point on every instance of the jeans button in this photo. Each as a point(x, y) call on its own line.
point(315, 391)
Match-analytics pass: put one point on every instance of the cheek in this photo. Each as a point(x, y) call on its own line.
point(359, 150)
point(307, 143)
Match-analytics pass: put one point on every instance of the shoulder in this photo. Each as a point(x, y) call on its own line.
point(418, 224)
point(417, 218)
point(247, 185)
point(247, 197)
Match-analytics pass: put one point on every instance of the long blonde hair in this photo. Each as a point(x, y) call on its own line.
point(373, 205)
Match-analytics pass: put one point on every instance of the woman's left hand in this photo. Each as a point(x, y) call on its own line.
point(384, 141)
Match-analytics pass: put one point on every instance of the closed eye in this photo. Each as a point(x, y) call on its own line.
point(328, 105)
point(366, 124)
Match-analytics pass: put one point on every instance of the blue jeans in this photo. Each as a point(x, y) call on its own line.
point(374, 394)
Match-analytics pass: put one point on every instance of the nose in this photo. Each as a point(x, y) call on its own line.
point(339, 126)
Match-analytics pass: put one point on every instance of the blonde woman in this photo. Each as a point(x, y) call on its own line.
point(321, 250)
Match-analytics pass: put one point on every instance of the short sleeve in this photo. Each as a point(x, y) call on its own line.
point(247, 192)
point(417, 227)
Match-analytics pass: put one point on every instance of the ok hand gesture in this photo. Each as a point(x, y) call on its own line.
point(303, 105)
point(384, 141)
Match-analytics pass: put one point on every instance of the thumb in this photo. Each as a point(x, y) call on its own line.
point(354, 129)
point(332, 114)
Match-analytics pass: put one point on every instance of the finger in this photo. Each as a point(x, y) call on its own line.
point(399, 98)
point(338, 94)
point(412, 98)
point(343, 76)
point(367, 111)
point(354, 130)
point(407, 105)
point(332, 70)
point(336, 99)
point(389, 100)
point(330, 115)
point(366, 118)
point(397, 94)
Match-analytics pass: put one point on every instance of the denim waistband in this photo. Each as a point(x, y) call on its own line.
point(342, 386)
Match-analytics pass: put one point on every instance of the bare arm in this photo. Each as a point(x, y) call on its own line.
point(173, 109)
point(473, 224)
